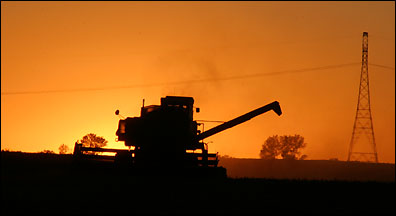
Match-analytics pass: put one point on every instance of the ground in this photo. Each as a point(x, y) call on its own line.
point(52, 184)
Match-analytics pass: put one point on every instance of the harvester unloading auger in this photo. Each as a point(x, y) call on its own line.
point(166, 136)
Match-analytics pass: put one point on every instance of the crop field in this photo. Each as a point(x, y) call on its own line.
point(53, 184)
point(309, 169)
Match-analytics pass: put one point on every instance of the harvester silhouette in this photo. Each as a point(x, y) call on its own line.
point(166, 137)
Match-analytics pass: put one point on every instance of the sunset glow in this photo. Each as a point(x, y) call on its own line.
point(67, 66)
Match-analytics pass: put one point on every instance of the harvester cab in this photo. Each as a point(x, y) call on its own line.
point(165, 135)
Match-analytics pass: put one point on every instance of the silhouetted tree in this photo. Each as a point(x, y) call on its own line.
point(270, 148)
point(287, 147)
point(47, 152)
point(225, 156)
point(63, 149)
point(93, 141)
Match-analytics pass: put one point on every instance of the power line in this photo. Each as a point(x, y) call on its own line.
point(382, 66)
point(178, 82)
point(187, 81)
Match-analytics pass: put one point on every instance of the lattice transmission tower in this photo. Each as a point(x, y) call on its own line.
point(363, 126)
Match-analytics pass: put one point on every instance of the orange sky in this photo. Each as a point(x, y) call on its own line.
point(50, 46)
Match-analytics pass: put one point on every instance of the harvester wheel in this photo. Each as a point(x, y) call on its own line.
point(123, 159)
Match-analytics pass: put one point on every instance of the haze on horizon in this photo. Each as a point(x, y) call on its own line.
point(70, 62)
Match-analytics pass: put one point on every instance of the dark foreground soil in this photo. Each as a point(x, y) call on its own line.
point(52, 184)
point(309, 169)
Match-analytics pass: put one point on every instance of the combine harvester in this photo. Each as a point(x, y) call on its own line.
point(165, 140)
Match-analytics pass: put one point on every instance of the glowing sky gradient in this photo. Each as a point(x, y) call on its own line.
point(163, 48)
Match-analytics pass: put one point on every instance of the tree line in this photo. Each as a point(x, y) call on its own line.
point(274, 147)
point(90, 140)
point(283, 147)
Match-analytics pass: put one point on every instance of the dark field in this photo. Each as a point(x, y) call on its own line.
point(309, 169)
point(51, 184)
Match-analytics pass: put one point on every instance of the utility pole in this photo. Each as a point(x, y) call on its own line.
point(363, 126)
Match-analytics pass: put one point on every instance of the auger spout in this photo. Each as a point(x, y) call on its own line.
point(243, 118)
